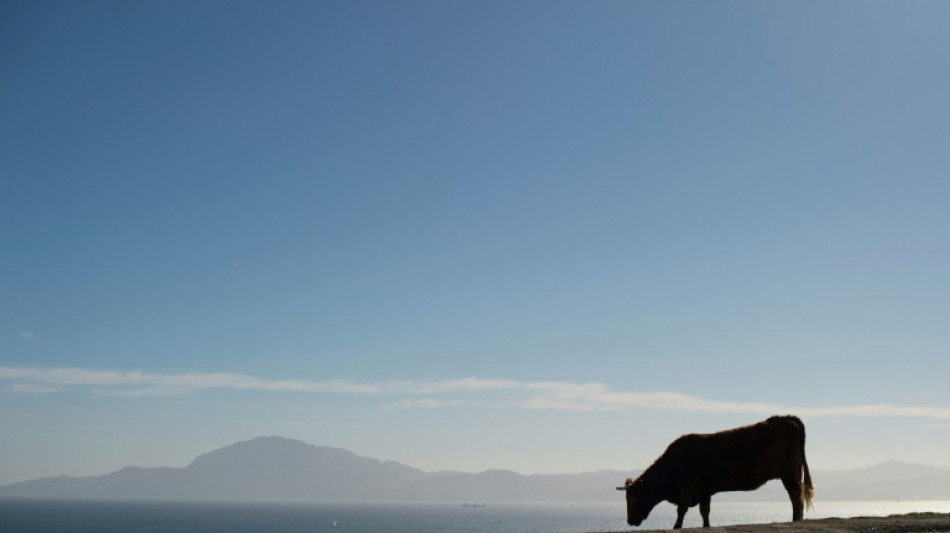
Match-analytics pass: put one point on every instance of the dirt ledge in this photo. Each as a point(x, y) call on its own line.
point(905, 523)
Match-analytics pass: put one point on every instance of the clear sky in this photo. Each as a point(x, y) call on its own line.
point(543, 236)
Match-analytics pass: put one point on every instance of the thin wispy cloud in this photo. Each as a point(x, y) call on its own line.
point(138, 392)
point(31, 388)
point(29, 335)
point(432, 403)
point(466, 392)
point(80, 377)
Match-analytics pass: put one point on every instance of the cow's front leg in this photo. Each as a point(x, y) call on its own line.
point(680, 513)
point(704, 509)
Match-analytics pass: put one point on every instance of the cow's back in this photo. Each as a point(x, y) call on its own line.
point(746, 458)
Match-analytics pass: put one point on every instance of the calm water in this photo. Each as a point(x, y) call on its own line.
point(39, 516)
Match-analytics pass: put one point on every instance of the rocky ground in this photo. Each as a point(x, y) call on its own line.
point(908, 523)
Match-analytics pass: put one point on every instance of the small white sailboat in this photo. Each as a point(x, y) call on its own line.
point(334, 525)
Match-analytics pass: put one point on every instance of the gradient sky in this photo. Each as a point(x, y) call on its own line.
point(542, 236)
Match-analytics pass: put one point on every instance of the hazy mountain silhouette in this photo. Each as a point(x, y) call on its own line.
point(889, 481)
point(273, 468)
point(266, 468)
point(284, 469)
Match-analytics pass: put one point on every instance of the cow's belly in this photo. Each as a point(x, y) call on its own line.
point(742, 484)
point(749, 475)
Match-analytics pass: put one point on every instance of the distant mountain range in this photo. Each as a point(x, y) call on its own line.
point(274, 468)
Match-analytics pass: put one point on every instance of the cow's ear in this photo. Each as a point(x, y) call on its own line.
point(621, 488)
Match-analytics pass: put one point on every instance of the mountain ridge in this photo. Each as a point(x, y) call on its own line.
point(281, 469)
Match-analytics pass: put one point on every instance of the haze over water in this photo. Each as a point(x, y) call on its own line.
point(24, 516)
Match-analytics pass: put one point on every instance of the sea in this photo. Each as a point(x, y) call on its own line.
point(71, 516)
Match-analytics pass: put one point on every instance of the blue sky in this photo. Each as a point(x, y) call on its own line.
point(544, 236)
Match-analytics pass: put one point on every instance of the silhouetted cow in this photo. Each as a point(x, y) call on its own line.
point(694, 467)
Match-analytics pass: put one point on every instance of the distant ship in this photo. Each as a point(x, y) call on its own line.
point(466, 504)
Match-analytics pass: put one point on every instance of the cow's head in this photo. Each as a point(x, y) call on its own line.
point(638, 508)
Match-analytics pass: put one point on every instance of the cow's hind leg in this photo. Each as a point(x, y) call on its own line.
point(794, 489)
point(680, 513)
point(704, 509)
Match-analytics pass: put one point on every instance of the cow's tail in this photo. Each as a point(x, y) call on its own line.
point(808, 488)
